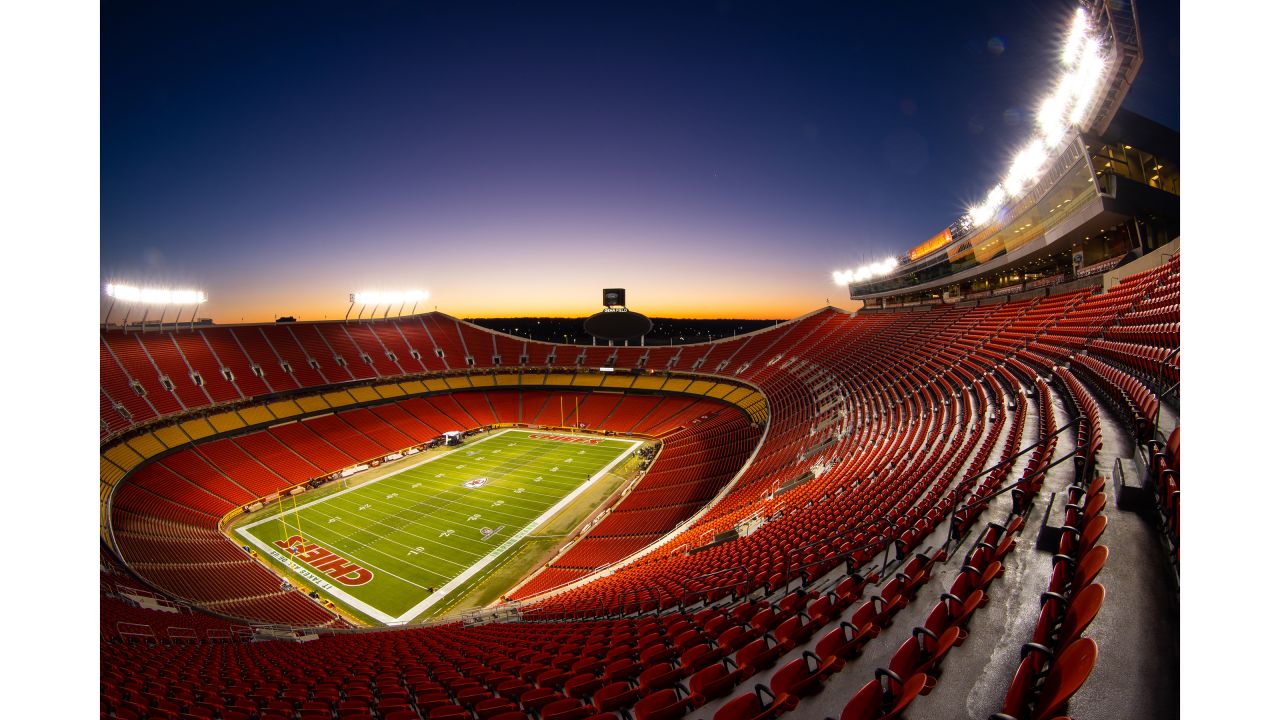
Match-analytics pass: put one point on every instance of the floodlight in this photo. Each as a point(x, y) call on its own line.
point(866, 272)
point(980, 215)
point(1079, 26)
point(155, 296)
point(996, 196)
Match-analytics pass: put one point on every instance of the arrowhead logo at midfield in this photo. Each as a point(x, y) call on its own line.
point(473, 484)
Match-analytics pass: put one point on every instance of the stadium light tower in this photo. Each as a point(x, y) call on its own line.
point(132, 295)
point(376, 298)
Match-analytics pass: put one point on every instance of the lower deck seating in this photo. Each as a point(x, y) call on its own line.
point(212, 479)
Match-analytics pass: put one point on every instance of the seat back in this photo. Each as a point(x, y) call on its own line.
point(1069, 671)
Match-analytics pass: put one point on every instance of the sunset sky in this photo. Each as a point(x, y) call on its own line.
point(717, 159)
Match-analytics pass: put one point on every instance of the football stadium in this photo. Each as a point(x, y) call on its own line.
point(951, 490)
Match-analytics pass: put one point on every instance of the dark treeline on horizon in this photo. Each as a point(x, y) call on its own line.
point(666, 331)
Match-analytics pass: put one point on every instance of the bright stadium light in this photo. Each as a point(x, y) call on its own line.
point(980, 214)
point(374, 297)
point(155, 296)
point(1026, 166)
point(1084, 58)
point(866, 272)
point(1075, 38)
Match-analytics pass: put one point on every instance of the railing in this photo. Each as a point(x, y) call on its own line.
point(955, 504)
point(1162, 386)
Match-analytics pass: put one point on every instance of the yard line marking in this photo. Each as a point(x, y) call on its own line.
point(399, 509)
point(551, 512)
point(415, 524)
point(369, 546)
point(463, 496)
point(371, 483)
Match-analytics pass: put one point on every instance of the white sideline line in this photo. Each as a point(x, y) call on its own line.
point(465, 575)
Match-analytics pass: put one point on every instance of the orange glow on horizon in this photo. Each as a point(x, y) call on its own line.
point(725, 311)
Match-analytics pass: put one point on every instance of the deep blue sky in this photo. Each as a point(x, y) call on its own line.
point(514, 157)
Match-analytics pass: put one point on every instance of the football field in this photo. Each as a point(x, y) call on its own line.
point(394, 547)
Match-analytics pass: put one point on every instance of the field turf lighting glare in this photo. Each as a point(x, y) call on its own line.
point(377, 297)
point(164, 297)
point(1084, 63)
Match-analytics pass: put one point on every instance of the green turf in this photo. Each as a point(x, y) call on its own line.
point(421, 528)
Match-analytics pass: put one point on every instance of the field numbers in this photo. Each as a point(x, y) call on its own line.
point(415, 485)
point(334, 519)
point(519, 491)
point(446, 533)
point(392, 495)
point(416, 550)
point(497, 503)
point(474, 518)
point(364, 507)
point(555, 469)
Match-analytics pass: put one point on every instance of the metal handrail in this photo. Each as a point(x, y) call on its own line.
point(955, 507)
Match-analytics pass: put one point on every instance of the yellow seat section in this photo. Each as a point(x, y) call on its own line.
point(338, 398)
point(533, 378)
point(435, 384)
point(256, 415)
point(458, 383)
point(647, 382)
point(559, 379)
point(591, 380)
point(413, 387)
point(507, 379)
point(146, 445)
point(312, 403)
point(719, 390)
point(223, 422)
point(284, 409)
point(389, 390)
point(699, 387)
point(123, 456)
point(758, 409)
point(110, 473)
point(172, 436)
point(482, 381)
point(618, 381)
point(364, 394)
point(199, 427)
point(675, 385)
point(737, 395)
